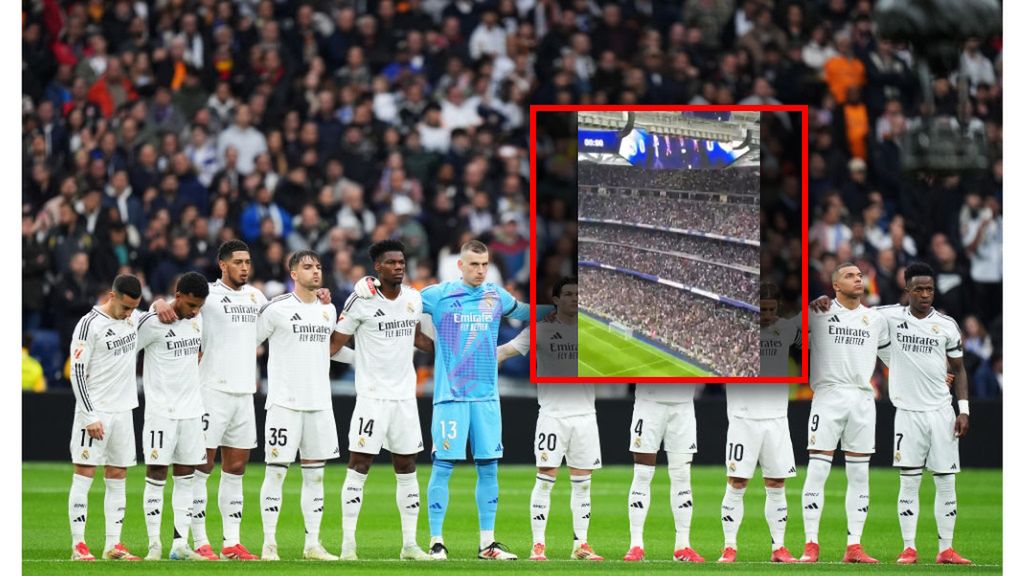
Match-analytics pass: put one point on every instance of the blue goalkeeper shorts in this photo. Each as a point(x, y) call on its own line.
point(453, 423)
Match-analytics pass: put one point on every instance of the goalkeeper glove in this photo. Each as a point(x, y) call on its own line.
point(366, 287)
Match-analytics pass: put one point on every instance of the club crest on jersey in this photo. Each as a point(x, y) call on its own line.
point(865, 320)
point(487, 304)
point(252, 297)
point(935, 328)
point(153, 455)
point(897, 457)
point(543, 456)
point(636, 442)
point(195, 327)
point(409, 307)
point(324, 314)
point(361, 442)
point(129, 321)
point(85, 454)
point(811, 439)
point(446, 445)
point(273, 452)
point(732, 466)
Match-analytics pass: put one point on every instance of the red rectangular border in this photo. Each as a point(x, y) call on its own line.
point(534, 379)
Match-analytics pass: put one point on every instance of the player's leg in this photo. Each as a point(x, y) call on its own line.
point(238, 439)
point(153, 506)
point(548, 452)
point(86, 452)
point(680, 446)
point(944, 462)
point(364, 442)
point(777, 464)
point(189, 451)
point(583, 455)
point(120, 455)
point(449, 434)
point(909, 451)
point(281, 435)
point(405, 441)
point(743, 442)
point(485, 438)
point(646, 430)
point(215, 422)
point(824, 426)
point(318, 444)
point(858, 446)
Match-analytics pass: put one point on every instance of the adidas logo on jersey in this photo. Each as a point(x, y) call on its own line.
point(834, 319)
point(110, 332)
point(226, 300)
point(170, 334)
point(597, 462)
point(296, 318)
point(379, 313)
point(457, 305)
point(792, 470)
point(557, 336)
point(903, 326)
point(693, 446)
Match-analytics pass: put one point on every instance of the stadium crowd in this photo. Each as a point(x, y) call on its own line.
point(727, 181)
point(692, 273)
point(717, 251)
point(151, 131)
point(720, 337)
point(732, 220)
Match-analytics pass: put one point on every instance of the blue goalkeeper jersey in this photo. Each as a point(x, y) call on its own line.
point(466, 321)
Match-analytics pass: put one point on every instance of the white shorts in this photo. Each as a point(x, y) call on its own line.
point(926, 438)
point(166, 441)
point(765, 442)
point(574, 438)
point(845, 414)
point(117, 447)
point(230, 420)
point(312, 434)
point(655, 422)
point(393, 425)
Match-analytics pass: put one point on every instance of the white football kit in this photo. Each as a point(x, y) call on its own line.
point(386, 415)
point(300, 416)
point(103, 356)
point(663, 413)
point(758, 422)
point(844, 346)
point(917, 360)
point(172, 431)
point(567, 420)
point(228, 367)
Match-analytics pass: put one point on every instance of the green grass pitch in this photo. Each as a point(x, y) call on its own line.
point(606, 353)
point(46, 537)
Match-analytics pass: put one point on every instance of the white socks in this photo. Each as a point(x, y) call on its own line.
point(909, 506)
point(639, 502)
point(407, 496)
point(945, 509)
point(351, 502)
point(152, 507)
point(732, 514)
point(813, 500)
point(540, 506)
point(270, 501)
point(181, 503)
point(230, 501)
point(857, 497)
point(312, 501)
point(486, 538)
point(776, 513)
point(681, 498)
point(78, 506)
point(113, 511)
point(579, 503)
point(199, 496)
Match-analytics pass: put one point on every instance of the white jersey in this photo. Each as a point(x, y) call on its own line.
point(299, 363)
point(229, 338)
point(170, 372)
point(917, 357)
point(666, 393)
point(556, 356)
point(385, 335)
point(844, 344)
point(767, 401)
point(103, 354)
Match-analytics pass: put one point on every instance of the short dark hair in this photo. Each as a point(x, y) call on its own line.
point(918, 269)
point(770, 291)
point(556, 290)
point(128, 285)
point(230, 247)
point(193, 284)
point(299, 255)
point(380, 248)
point(840, 266)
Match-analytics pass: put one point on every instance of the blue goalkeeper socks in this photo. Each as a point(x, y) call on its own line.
point(487, 492)
point(437, 494)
